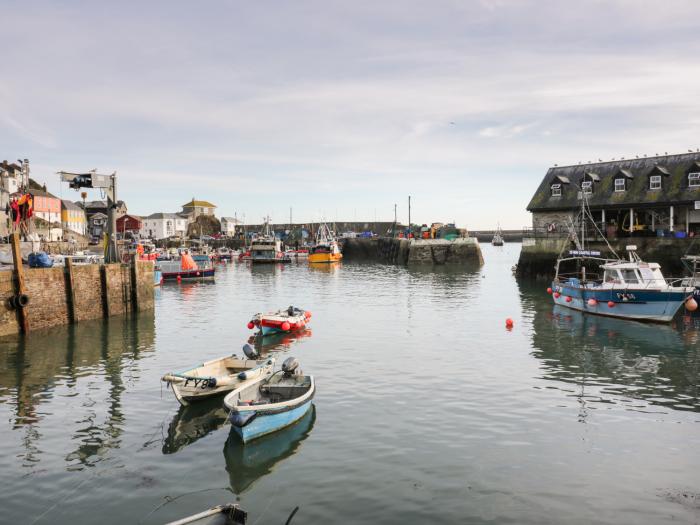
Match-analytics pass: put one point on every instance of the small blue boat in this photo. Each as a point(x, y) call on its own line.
point(157, 276)
point(258, 408)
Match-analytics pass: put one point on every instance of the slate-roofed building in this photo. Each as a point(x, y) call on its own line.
point(657, 195)
point(195, 208)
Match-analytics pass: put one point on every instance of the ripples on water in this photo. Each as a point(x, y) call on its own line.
point(428, 409)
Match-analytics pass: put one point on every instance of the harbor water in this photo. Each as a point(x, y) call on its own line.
point(428, 410)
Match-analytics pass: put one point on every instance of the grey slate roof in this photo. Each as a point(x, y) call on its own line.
point(161, 215)
point(674, 183)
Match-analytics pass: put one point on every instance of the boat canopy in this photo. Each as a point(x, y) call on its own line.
point(187, 262)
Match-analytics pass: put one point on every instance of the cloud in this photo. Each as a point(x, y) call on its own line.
point(347, 102)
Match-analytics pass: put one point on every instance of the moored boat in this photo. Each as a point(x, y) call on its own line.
point(157, 276)
point(498, 237)
point(629, 289)
point(267, 248)
point(217, 376)
point(325, 249)
point(186, 268)
point(289, 319)
point(268, 404)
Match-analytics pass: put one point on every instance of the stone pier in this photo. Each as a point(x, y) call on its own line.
point(414, 251)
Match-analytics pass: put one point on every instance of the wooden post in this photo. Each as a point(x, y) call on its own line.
point(134, 286)
point(19, 282)
point(70, 289)
point(105, 290)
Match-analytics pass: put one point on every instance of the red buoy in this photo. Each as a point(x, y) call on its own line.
point(285, 326)
point(557, 295)
point(611, 304)
point(179, 278)
point(568, 298)
point(549, 291)
point(592, 302)
point(307, 314)
point(691, 305)
point(509, 323)
point(251, 325)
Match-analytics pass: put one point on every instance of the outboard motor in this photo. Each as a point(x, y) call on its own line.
point(290, 310)
point(249, 351)
point(290, 367)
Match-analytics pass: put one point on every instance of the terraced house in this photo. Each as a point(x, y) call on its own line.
point(651, 196)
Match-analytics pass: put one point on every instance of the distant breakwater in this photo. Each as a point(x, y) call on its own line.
point(413, 252)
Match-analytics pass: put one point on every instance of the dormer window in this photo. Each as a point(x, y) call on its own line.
point(556, 190)
point(620, 185)
point(655, 182)
point(694, 179)
point(587, 187)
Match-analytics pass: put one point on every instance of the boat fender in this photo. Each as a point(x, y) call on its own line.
point(250, 351)
point(18, 301)
point(241, 419)
point(289, 366)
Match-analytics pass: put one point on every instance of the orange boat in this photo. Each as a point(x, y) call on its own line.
point(326, 249)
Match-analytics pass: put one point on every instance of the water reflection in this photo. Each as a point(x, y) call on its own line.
point(280, 342)
point(637, 365)
point(193, 422)
point(247, 463)
point(82, 367)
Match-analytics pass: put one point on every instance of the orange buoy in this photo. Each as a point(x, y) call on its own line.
point(251, 325)
point(611, 304)
point(509, 323)
point(691, 304)
point(285, 326)
point(592, 302)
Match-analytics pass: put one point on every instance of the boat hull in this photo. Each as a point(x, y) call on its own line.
point(638, 304)
point(190, 275)
point(325, 257)
point(264, 424)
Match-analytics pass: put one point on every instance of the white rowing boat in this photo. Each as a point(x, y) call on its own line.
point(217, 376)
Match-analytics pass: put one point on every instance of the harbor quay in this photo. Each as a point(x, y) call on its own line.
point(58, 296)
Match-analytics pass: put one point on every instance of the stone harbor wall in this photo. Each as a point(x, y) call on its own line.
point(59, 296)
point(414, 251)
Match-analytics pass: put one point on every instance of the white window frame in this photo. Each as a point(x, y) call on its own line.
point(694, 179)
point(655, 182)
point(587, 187)
point(556, 190)
point(623, 185)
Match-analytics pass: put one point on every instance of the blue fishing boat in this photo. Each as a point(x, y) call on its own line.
point(631, 289)
point(628, 289)
point(269, 404)
point(157, 276)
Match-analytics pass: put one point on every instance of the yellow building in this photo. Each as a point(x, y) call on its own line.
point(72, 218)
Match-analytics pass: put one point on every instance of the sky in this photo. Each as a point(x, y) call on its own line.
point(339, 110)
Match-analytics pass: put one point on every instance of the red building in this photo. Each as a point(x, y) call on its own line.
point(128, 223)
